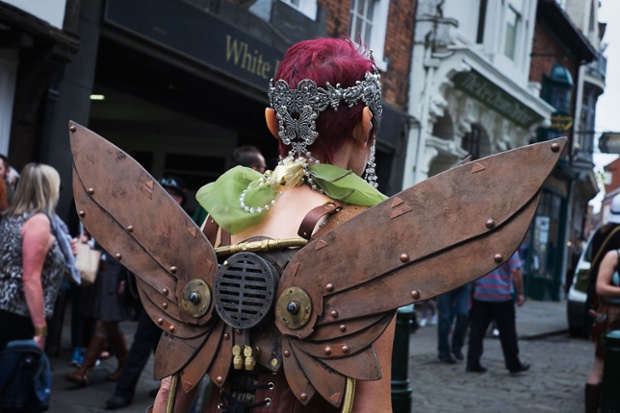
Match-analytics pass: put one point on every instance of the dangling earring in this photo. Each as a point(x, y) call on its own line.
point(370, 175)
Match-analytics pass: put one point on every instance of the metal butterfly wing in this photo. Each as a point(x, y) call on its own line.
point(335, 297)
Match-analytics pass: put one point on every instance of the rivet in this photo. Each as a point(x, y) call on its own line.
point(226, 336)
point(165, 305)
point(343, 328)
point(173, 269)
point(287, 353)
point(160, 321)
point(118, 256)
point(490, 223)
point(72, 128)
point(345, 349)
point(329, 287)
point(219, 379)
point(334, 313)
point(239, 332)
point(172, 329)
point(130, 228)
point(555, 147)
point(91, 191)
point(82, 214)
point(498, 258)
point(303, 396)
point(165, 291)
point(415, 294)
point(404, 257)
point(328, 350)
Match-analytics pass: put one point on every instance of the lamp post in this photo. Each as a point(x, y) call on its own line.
point(401, 391)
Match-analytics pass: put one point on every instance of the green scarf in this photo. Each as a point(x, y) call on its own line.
point(222, 197)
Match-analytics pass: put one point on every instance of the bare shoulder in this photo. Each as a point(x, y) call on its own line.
point(37, 224)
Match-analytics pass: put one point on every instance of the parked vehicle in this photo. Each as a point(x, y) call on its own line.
point(577, 293)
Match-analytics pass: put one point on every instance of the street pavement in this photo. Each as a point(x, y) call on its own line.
point(554, 383)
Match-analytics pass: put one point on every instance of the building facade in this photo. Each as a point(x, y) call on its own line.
point(470, 93)
point(559, 54)
point(179, 83)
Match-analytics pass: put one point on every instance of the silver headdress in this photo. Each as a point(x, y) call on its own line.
point(308, 100)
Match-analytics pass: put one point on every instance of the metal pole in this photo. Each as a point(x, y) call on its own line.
point(401, 391)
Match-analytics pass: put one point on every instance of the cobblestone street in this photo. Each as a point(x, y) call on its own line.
point(554, 383)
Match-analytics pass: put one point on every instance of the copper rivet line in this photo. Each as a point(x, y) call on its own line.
point(173, 269)
point(415, 294)
point(327, 350)
point(329, 287)
point(130, 228)
point(555, 147)
point(118, 256)
point(72, 128)
point(404, 257)
point(343, 328)
point(165, 305)
point(219, 379)
point(303, 396)
point(334, 314)
point(226, 336)
point(239, 332)
point(91, 191)
point(82, 214)
point(345, 349)
point(490, 223)
point(160, 321)
point(172, 329)
point(498, 258)
point(165, 291)
point(287, 353)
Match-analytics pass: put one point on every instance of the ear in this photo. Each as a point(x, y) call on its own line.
point(272, 124)
point(364, 128)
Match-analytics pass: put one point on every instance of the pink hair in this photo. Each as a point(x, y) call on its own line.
point(327, 60)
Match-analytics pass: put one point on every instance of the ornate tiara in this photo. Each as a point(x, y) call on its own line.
point(308, 100)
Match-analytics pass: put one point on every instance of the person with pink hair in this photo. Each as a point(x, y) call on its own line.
point(325, 111)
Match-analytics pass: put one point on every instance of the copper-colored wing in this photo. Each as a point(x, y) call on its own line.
point(133, 218)
point(431, 238)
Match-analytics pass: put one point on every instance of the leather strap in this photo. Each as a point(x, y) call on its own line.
point(210, 230)
point(314, 216)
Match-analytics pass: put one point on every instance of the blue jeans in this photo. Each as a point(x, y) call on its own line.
point(453, 308)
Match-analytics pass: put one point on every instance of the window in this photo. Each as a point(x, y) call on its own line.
point(482, 14)
point(471, 142)
point(513, 22)
point(307, 7)
point(368, 24)
point(361, 20)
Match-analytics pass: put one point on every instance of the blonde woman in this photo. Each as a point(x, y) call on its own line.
point(32, 263)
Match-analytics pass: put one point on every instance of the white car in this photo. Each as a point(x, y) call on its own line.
point(577, 293)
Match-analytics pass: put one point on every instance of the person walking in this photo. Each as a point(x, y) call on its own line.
point(453, 310)
point(107, 304)
point(493, 300)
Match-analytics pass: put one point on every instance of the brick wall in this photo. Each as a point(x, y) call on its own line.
point(398, 44)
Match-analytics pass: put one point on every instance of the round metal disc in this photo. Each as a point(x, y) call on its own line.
point(294, 308)
point(196, 298)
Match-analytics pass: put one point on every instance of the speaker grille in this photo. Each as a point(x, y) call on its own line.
point(244, 290)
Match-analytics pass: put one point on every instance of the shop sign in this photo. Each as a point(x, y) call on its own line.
point(198, 35)
point(609, 142)
point(561, 122)
point(482, 89)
